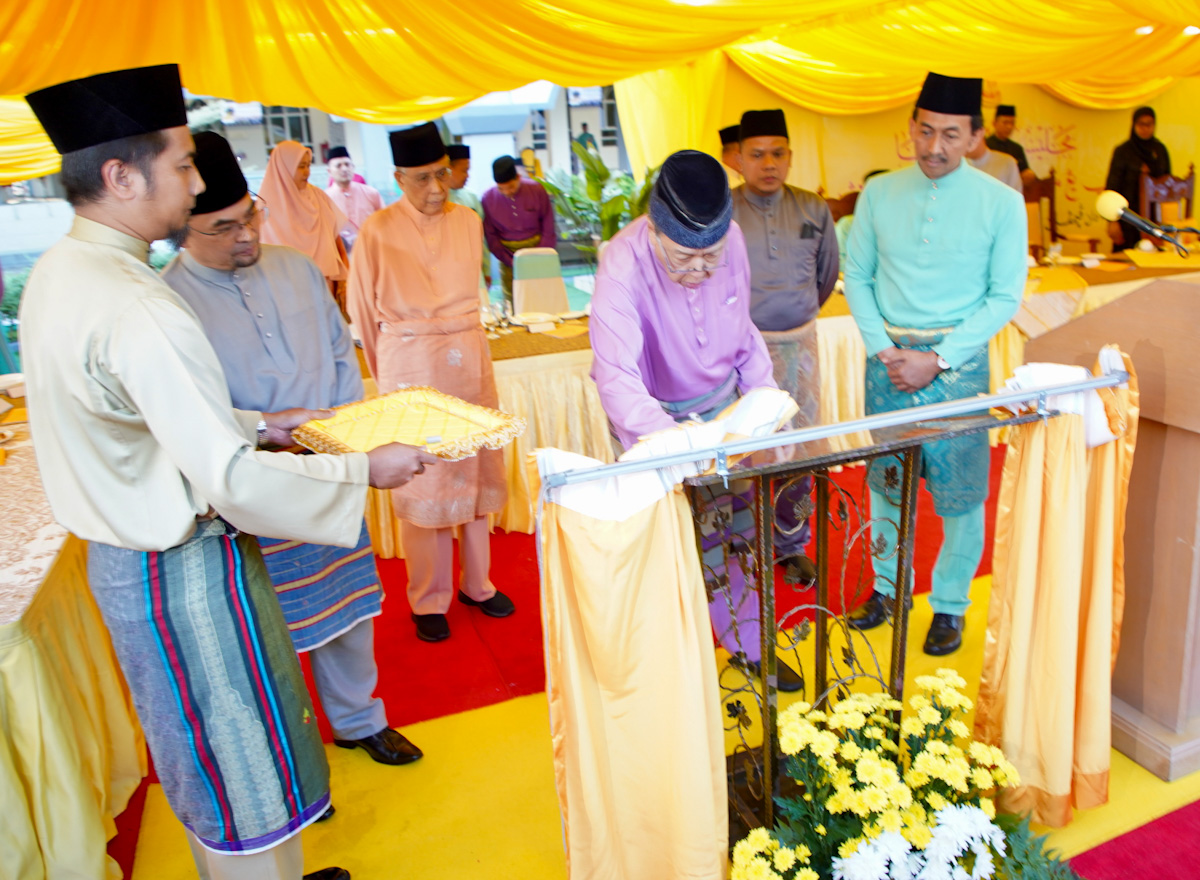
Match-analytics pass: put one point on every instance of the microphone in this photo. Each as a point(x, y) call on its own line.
point(1114, 206)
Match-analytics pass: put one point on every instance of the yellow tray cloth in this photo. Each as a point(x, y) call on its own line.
point(445, 426)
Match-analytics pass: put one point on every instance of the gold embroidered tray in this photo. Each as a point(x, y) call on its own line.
point(420, 416)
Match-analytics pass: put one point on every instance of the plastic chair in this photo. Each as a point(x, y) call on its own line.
point(538, 284)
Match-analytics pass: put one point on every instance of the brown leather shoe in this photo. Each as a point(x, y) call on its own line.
point(386, 747)
point(800, 570)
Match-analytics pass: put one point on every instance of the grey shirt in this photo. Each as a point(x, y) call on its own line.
point(793, 254)
point(1001, 166)
point(277, 332)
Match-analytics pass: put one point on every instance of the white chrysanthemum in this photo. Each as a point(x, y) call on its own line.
point(886, 857)
point(960, 828)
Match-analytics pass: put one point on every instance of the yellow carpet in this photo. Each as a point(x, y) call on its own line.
point(481, 804)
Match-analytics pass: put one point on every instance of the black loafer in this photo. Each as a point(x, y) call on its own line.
point(329, 874)
point(385, 747)
point(945, 634)
point(787, 679)
point(431, 627)
point(871, 613)
point(497, 606)
point(800, 570)
point(328, 814)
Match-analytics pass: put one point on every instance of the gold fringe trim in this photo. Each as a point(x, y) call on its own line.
point(493, 428)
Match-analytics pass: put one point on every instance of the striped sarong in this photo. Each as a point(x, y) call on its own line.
point(217, 685)
point(955, 471)
point(324, 591)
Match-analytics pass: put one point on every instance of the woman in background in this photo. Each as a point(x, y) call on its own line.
point(1142, 153)
point(304, 217)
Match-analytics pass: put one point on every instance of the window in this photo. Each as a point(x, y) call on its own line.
point(538, 128)
point(287, 124)
point(608, 118)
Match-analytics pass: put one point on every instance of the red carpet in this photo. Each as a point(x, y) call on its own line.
point(488, 661)
point(1165, 849)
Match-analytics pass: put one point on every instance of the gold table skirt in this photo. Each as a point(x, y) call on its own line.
point(71, 749)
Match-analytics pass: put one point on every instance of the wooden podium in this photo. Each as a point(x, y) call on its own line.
point(1156, 683)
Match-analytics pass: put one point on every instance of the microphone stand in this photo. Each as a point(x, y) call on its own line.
point(1164, 231)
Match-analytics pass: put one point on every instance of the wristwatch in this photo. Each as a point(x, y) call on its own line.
point(942, 363)
point(262, 432)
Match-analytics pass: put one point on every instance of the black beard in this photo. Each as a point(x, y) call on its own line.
point(177, 237)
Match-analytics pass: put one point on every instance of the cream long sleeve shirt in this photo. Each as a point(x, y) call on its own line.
point(131, 417)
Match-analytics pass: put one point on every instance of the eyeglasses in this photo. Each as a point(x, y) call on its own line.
point(258, 215)
point(709, 262)
point(424, 179)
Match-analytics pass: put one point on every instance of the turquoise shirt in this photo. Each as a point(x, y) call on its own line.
point(936, 253)
point(467, 199)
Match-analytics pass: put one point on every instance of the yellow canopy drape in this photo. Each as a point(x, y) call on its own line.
point(405, 61)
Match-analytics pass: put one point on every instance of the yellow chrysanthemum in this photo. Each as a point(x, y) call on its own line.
point(891, 820)
point(919, 701)
point(957, 728)
point(981, 754)
point(807, 874)
point(759, 839)
point(935, 801)
point(824, 744)
point(849, 848)
point(820, 829)
point(917, 835)
point(981, 778)
point(850, 750)
point(911, 726)
point(988, 806)
point(803, 853)
point(951, 678)
point(930, 716)
point(784, 859)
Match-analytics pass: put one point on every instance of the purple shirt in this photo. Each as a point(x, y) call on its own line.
point(657, 340)
point(525, 215)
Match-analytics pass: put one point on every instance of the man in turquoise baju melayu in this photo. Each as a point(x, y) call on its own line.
point(937, 265)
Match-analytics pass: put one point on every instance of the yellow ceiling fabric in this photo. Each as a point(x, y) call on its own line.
point(25, 151)
point(405, 60)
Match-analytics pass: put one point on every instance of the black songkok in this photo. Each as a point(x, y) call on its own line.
point(691, 203)
point(952, 95)
point(1006, 110)
point(417, 146)
point(337, 153)
point(763, 123)
point(730, 135)
point(224, 183)
point(504, 169)
point(458, 151)
point(108, 106)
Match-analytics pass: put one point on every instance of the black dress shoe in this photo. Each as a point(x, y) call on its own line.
point(787, 679)
point(871, 613)
point(386, 747)
point(431, 627)
point(497, 606)
point(329, 874)
point(328, 814)
point(945, 634)
point(800, 570)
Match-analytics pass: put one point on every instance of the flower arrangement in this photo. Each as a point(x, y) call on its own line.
point(874, 810)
